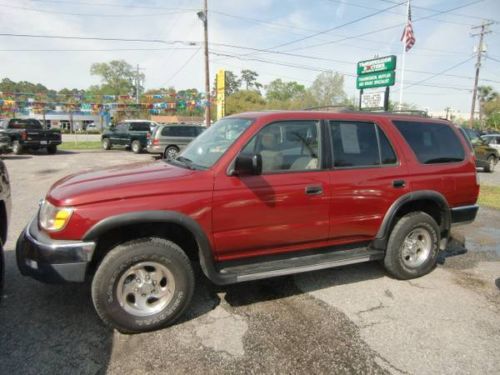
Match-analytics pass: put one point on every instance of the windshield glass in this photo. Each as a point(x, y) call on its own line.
point(209, 146)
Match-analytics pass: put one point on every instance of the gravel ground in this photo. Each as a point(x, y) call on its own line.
point(350, 320)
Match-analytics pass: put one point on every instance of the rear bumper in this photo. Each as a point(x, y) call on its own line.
point(463, 214)
point(152, 149)
point(52, 261)
point(40, 144)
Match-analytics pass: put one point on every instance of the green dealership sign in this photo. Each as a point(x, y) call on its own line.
point(380, 64)
point(368, 81)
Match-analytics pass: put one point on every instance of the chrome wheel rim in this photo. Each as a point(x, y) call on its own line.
point(145, 288)
point(492, 164)
point(416, 247)
point(171, 153)
point(105, 144)
point(135, 147)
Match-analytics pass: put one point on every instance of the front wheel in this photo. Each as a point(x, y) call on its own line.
point(143, 285)
point(492, 162)
point(413, 246)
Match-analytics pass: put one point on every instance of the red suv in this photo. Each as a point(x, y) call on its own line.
point(257, 195)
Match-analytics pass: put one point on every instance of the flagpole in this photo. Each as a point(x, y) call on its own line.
point(403, 60)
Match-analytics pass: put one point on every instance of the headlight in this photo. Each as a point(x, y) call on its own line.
point(52, 218)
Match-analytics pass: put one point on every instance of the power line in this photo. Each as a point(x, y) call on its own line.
point(181, 68)
point(388, 27)
point(435, 10)
point(93, 15)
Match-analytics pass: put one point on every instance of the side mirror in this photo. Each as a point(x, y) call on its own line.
point(245, 165)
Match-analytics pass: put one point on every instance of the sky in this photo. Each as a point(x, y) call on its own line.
point(294, 40)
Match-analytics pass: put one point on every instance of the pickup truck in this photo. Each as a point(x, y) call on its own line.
point(29, 134)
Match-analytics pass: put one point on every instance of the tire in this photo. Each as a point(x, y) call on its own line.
point(2, 269)
point(492, 161)
point(413, 246)
point(125, 277)
point(106, 144)
point(17, 148)
point(170, 152)
point(136, 147)
point(52, 149)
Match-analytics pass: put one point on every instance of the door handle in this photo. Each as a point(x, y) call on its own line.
point(314, 190)
point(399, 183)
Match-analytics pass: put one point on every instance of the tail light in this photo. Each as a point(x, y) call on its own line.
point(148, 135)
point(156, 141)
point(24, 136)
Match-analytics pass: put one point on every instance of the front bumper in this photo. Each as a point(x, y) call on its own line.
point(49, 260)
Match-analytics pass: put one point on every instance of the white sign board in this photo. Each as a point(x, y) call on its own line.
point(372, 99)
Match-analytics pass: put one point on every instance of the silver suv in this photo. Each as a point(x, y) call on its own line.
point(170, 139)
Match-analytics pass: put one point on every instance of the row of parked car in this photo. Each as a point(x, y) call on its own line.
point(139, 135)
point(18, 135)
point(486, 148)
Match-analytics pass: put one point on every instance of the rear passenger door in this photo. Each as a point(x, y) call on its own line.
point(366, 178)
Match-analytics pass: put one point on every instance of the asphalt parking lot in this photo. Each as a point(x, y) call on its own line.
point(355, 319)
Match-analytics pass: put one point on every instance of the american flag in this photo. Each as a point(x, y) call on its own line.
point(408, 37)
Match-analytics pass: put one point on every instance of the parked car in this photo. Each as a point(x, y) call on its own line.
point(5, 208)
point(256, 195)
point(130, 133)
point(493, 140)
point(29, 134)
point(169, 140)
point(486, 156)
point(4, 142)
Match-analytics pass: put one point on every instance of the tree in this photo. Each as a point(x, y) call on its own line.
point(118, 77)
point(244, 100)
point(284, 91)
point(485, 94)
point(249, 78)
point(328, 89)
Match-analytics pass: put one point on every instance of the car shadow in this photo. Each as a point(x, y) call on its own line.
point(49, 329)
point(15, 157)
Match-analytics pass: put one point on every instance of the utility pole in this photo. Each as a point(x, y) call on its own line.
point(137, 85)
point(480, 51)
point(204, 17)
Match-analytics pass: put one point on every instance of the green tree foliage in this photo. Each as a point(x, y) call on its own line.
point(485, 94)
point(244, 100)
point(279, 90)
point(118, 78)
point(249, 79)
point(328, 89)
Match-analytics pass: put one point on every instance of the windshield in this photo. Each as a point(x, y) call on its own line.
point(209, 146)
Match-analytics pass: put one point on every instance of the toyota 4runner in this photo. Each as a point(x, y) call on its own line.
point(257, 195)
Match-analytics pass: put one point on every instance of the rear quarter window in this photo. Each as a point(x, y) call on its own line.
point(140, 127)
point(432, 143)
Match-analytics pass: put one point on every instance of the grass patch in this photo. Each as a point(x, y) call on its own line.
point(70, 145)
point(489, 196)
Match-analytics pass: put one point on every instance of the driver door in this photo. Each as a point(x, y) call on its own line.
point(284, 209)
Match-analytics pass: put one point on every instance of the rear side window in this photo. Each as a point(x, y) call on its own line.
point(360, 144)
point(140, 127)
point(431, 143)
point(24, 124)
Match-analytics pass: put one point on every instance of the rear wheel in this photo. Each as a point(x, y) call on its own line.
point(170, 152)
point(143, 285)
point(17, 148)
point(52, 149)
point(492, 162)
point(136, 147)
point(106, 144)
point(413, 246)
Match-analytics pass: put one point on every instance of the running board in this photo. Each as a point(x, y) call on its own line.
point(297, 264)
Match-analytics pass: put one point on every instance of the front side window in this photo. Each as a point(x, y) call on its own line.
point(207, 149)
point(360, 144)
point(287, 146)
point(432, 143)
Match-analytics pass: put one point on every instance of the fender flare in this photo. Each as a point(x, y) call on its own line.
point(383, 233)
point(207, 261)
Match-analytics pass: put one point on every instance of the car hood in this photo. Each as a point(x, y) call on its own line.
point(126, 181)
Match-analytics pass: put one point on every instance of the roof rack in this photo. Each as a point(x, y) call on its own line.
point(343, 109)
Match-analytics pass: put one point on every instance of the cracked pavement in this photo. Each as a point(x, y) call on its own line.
point(355, 319)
